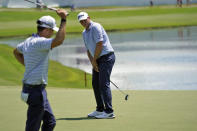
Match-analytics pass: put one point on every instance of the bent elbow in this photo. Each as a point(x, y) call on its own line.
point(56, 43)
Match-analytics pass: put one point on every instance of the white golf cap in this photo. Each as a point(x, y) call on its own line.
point(82, 16)
point(48, 22)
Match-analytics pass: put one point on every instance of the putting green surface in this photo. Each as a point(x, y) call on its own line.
point(144, 111)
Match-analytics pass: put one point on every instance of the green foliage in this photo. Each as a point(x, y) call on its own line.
point(61, 76)
point(11, 72)
point(10, 69)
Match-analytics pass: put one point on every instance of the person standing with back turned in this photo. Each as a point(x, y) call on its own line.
point(102, 58)
point(33, 53)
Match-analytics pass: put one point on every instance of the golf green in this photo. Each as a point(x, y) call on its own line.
point(144, 111)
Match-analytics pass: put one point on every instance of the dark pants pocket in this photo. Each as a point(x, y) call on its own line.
point(35, 98)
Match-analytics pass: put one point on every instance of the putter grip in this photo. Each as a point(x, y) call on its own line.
point(54, 9)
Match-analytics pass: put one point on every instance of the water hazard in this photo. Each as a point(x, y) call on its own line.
point(164, 59)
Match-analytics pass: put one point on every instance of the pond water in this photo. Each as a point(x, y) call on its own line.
point(163, 59)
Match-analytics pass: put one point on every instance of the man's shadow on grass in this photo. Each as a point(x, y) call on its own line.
point(76, 119)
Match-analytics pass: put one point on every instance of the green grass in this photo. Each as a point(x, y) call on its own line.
point(15, 22)
point(11, 72)
point(144, 111)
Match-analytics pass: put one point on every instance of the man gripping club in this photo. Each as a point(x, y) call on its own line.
point(102, 58)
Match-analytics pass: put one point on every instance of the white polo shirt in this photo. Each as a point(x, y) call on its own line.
point(95, 34)
point(35, 50)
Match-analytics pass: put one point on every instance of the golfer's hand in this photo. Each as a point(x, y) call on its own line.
point(95, 65)
point(62, 13)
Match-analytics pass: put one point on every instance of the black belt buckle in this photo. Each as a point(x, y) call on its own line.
point(34, 86)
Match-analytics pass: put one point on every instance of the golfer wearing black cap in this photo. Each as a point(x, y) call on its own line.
point(102, 58)
point(33, 53)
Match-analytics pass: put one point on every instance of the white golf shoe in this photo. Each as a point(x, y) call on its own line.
point(105, 115)
point(95, 113)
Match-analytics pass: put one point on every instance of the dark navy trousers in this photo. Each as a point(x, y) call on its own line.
point(39, 109)
point(101, 83)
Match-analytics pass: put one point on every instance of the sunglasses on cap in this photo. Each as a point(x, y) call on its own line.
point(41, 23)
point(80, 16)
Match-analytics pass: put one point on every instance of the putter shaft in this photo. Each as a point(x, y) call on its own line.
point(118, 88)
point(126, 95)
point(44, 6)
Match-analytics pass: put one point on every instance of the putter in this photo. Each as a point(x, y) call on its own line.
point(43, 6)
point(126, 95)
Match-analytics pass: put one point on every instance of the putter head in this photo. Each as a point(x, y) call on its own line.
point(126, 97)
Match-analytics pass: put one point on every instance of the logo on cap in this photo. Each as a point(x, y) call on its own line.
point(82, 16)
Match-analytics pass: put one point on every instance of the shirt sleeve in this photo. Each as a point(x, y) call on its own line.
point(44, 43)
point(98, 35)
point(20, 47)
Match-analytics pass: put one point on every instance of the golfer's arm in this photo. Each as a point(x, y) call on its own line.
point(19, 56)
point(89, 56)
point(99, 47)
point(58, 40)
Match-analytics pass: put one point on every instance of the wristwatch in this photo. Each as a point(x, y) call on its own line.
point(63, 20)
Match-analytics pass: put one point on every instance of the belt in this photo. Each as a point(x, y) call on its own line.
point(106, 55)
point(34, 86)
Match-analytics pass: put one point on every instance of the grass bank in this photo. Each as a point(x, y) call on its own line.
point(15, 22)
point(144, 111)
point(11, 72)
